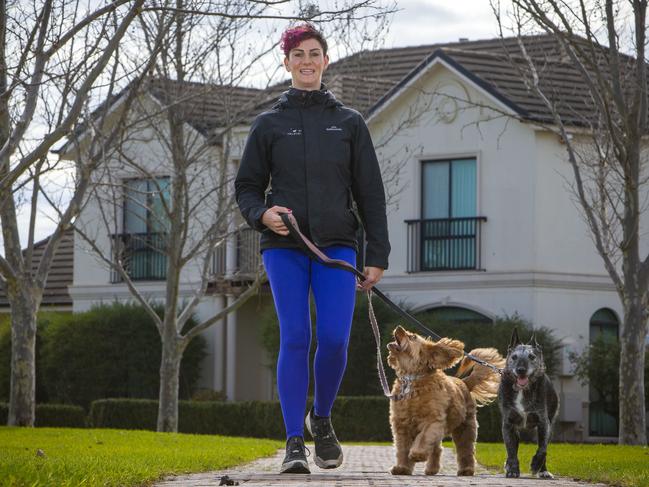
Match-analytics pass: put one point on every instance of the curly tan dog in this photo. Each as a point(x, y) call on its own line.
point(430, 405)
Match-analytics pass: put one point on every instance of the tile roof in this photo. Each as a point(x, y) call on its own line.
point(59, 278)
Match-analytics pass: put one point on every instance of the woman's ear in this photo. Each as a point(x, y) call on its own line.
point(445, 353)
point(286, 63)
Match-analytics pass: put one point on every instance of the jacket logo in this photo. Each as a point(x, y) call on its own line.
point(333, 128)
point(294, 132)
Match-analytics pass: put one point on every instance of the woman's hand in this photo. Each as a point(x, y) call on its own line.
point(273, 220)
point(372, 276)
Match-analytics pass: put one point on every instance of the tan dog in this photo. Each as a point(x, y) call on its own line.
point(430, 405)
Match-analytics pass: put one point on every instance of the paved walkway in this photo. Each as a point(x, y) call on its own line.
point(364, 466)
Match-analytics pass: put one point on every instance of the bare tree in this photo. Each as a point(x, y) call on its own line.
point(53, 55)
point(174, 167)
point(603, 43)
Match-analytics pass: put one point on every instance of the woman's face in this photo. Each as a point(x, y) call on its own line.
point(306, 62)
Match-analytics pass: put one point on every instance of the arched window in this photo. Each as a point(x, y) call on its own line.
point(603, 407)
point(457, 314)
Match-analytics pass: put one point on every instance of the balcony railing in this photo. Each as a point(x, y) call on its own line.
point(444, 244)
point(143, 256)
point(248, 260)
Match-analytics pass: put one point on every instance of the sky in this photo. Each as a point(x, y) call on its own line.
point(431, 21)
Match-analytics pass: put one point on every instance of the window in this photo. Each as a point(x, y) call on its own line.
point(449, 189)
point(142, 245)
point(448, 232)
point(603, 404)
point(143, 205)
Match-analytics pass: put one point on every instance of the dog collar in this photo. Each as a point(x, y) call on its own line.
point(406, 385)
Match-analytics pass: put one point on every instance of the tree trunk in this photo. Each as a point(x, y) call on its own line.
point(22, 398)
point(169, 383)
point(632, 360)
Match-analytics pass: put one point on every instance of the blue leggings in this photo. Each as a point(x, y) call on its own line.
point(291, 274)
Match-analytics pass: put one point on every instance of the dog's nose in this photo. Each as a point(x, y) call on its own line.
point(521, 370)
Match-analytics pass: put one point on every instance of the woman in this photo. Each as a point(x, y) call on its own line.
point(317, 155)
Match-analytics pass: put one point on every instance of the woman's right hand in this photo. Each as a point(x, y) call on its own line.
point(273, 220)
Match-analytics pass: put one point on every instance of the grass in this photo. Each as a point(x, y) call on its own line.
point(109, 457)
point(612, 464)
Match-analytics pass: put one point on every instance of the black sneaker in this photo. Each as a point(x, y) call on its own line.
point(328, 453)
point(295, 459)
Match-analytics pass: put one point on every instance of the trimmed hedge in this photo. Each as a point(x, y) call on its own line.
point(52, 415)
point(354, 418)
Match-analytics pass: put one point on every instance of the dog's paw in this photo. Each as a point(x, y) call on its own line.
point(538, 463)
point(400, 470)
point(512, 469)
point(465, 472)
point(544, 474)
point(417, 455)
point(431, 471)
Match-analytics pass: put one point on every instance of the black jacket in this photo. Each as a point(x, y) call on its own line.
point(317, 154)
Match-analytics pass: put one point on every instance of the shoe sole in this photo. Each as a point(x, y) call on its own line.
point(326, 464)
point(296, 466)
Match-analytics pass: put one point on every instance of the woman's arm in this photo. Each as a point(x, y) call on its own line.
point(253, 176)
point(368, 192)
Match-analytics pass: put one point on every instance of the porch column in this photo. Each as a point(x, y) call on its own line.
point(231, 353)
point(219, 348)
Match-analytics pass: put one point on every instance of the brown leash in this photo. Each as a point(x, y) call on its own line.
point(316, 254)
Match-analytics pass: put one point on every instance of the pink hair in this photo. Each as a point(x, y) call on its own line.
point(294, 35)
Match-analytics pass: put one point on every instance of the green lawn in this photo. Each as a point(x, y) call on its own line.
point(115, 457)
point(619, 465)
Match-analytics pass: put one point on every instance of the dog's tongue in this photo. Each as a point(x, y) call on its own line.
point(522, 381)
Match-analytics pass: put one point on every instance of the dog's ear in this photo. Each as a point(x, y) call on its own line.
point(533, 342)
point(514, 340)
point(445, 353)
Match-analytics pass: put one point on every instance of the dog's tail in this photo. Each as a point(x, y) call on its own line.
point(481, 381)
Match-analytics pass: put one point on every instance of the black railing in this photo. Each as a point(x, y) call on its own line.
point(444, 244)
point(143, 256)
point(247, 261)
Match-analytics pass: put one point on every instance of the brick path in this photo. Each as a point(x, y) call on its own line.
point(364, 466)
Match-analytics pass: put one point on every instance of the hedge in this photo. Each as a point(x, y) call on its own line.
point(113, 350)
point(361, 378)
point(52, 415)
point(363, 418)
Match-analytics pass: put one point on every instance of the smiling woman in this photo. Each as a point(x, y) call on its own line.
point(319, 159)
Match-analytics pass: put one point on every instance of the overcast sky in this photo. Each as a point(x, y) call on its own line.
point(430, 21)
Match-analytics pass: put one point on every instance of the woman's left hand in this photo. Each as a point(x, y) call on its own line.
point(372, 276)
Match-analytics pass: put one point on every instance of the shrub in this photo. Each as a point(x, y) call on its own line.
point(52, 415)
point(110, 351)
point(598, 366)
point(361, 377)
point(44, 320)
point(354, 418)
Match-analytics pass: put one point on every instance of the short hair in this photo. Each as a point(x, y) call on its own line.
point(294, 35)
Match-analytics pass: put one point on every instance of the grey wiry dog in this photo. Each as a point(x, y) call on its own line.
point(527, 399)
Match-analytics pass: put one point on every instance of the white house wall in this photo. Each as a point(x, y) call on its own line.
point(537, 257)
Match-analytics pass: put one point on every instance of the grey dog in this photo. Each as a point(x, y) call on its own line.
point(527, 400)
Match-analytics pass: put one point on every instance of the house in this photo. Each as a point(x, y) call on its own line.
point(56, 297)
point(481, 222)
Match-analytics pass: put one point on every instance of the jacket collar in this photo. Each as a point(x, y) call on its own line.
point(296, 98)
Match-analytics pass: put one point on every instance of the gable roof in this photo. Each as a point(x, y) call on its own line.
point(60, 276)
